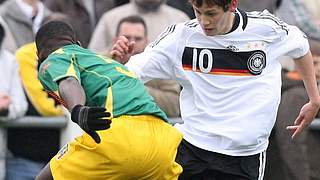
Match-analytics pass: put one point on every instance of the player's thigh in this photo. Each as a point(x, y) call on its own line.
point(201, 164)
point(45, 173)
point(152, 144)
point(135, 147)
point(79, 159)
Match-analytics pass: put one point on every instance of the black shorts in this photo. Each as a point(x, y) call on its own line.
point(199, 164)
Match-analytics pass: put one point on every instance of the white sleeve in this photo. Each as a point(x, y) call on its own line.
point(295, 43)
point(160, 58)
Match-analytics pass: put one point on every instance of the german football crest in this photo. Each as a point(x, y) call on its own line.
point(256, 62)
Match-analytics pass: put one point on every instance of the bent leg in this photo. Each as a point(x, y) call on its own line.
point(45, 173)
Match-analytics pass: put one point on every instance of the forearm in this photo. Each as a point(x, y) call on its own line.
point(305, 67)
point(90, 119)
point(71, 92)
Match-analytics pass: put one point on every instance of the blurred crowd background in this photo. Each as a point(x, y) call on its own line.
point(24, 150)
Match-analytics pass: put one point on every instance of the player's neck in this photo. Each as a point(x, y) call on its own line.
point(228, 25)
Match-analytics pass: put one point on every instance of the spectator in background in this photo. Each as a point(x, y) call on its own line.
point(156, 14)
point(23, 18)
point(165, 92)
point(8, 40)
point(258, 5)
point(12, 100)
point(300, 14)
point(295, 12)
point(313, 7)
point(134, 29)
point(84, 14)
point(31, 148)
point(183, 5)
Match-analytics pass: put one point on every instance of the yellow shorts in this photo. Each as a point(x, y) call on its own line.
point(135, 147)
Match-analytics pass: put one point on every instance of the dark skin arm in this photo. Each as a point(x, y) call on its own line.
point(71, 92)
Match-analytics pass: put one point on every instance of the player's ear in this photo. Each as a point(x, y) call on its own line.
point(233, 5)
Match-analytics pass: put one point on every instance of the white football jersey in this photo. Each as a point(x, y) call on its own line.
point(231, 83)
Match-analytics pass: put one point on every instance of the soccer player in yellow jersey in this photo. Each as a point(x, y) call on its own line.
point(138, 144)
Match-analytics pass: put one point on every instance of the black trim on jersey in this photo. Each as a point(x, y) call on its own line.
point(236, 23)
point(223, 61)
point(191, 24)
point(165, 33)
point(244, 18)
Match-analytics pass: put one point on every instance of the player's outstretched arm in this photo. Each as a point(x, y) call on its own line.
point(90, 119)
point(122, 50)
point(308, 111)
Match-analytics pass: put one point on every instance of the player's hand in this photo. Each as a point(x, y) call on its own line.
point(91, 119)
point(122, 50)
point(307, 114)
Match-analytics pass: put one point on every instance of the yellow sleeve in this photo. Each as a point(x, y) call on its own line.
point(27, 59)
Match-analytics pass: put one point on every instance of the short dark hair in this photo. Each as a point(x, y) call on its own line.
point(52, 32)
point(132, 19)
point(225, 4)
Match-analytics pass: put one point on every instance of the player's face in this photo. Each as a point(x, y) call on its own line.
point(213, 19)
point(134, 32)
point(41, 56)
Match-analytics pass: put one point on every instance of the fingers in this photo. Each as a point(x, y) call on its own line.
point(296, 128)
point(299, 125)
point(131, 47)
point(99, 122)
point(98, 112)
point(103, 115)
point(102, 125)
point(96, 109)
point(100, 115)
point(94, 136)
point(123, 38)
point(122, 45)
point(115, 54)
point(293, 130)
point(298, 120)
point(122, 49)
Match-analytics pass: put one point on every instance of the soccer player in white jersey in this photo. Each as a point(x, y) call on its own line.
point(226, 62)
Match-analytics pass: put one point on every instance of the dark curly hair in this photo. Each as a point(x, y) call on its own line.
point(225, 4)
point(51, 33)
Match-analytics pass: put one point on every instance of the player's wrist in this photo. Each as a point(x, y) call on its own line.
point(75, 113)
point(315, 102)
